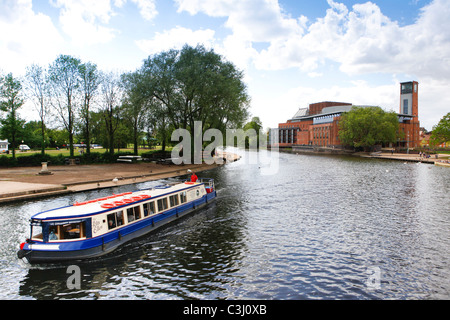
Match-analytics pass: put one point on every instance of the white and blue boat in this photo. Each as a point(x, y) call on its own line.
point(94, 228)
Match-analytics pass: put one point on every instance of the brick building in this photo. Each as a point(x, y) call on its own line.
point(317, 125)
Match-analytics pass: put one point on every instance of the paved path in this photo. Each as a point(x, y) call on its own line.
point(24, 183)
point(407, 157)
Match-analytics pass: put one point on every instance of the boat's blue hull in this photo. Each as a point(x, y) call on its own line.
point(99, 246)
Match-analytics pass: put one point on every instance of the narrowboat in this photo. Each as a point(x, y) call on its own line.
point(94, 228)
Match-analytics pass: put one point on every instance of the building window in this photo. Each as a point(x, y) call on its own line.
point(405, 106)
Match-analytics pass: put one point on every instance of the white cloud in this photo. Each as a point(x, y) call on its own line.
point(315, 74)
point(30, 37)
point(85, 20)
point(147, 7)
point(360, 39)
point(434, 102)
point(363, 40)
point(175, 39)
point(250, 21)
point(254, 20)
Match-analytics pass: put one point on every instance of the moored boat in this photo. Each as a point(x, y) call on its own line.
point(99, 226)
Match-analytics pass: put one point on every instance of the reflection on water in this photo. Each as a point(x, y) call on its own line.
point(320, 228)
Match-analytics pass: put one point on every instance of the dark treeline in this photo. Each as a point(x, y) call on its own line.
point(78, 103)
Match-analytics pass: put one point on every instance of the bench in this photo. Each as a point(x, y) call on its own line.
point(72, 161)
point(129, 158)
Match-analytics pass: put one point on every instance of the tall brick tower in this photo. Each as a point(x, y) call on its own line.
point(409, 98)
point(409, 106)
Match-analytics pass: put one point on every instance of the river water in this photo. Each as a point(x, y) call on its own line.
point(311, 227)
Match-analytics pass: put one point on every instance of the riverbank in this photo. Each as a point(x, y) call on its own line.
point(24, 183)
point(404, 157)
point(313, 150)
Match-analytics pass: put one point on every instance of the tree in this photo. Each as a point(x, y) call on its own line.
point(441, 131)
point(11, 99)
point(256, 125)
point(111, 97)
point(89, 86)
point(64, 84)
point(159, 85)
point(194, 84)
point(134, 105)
point(368, 126)
point(32, 134)
point(37, 89)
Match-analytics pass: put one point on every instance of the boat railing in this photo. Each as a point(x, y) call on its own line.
point(209, 182)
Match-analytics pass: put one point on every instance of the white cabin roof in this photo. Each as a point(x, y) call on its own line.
point(94, 206)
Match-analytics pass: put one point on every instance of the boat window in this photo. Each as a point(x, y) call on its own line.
point(119, 218)
point(133, 213)
point(115, 219)
point(68, 231)
point(111, 221)
point(162, 204)
point(173, 200)
point(149, 208)
point(183, 198)
point(36, 232)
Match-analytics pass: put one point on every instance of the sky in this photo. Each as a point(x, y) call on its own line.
point(292, 52)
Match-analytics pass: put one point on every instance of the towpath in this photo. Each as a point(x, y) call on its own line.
point(22, 183)
point(406, 157)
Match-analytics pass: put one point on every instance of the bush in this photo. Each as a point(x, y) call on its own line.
point(34, 160)
point(60, 159)
point(6, 161)
point(157, 154)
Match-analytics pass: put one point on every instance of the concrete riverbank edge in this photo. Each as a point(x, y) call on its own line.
point(375, 155)
point(19, 184)
point(25, 191)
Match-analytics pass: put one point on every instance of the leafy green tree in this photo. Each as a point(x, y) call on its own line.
point(441, 131)
point(135, 105)
point(57, 137)
point(256, 125)
point(31, 134)
point(368, 126)
point(64, 81)
point(195, 84)
point(110, 101)
point(11, 99)
point(98, 129)
point(37, 88)
point(89, 86)
point(159, 87)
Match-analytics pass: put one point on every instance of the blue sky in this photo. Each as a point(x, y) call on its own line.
point(293, 52)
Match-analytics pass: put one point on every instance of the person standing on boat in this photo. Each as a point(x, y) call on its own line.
point(194, 177)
